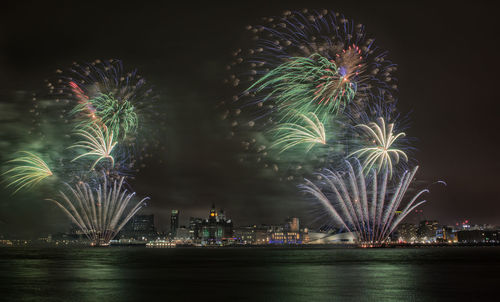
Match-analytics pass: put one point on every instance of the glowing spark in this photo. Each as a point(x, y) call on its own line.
point(364, 205)
point(98, 142)
point(102, 213)
point(30, 171)
point(380, 152)
point(307, 130)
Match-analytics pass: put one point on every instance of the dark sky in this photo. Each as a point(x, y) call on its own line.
point(448, 64)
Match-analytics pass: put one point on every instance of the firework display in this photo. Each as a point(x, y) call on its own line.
point(100, 213)
point(313, 90)
point(365, 205)
point(106, 94)
point(302, 63)
point(99, 111)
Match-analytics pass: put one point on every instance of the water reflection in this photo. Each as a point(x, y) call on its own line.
point(138, 274)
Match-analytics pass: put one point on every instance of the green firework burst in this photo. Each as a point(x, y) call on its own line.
point(313, 84)
point(117, 115)
point(30, 169)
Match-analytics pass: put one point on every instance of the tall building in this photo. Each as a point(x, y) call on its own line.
point(216, 228)
point(174, 223)
point(195, 225)
point(139, 226)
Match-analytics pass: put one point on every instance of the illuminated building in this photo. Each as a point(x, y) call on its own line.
point(445, 234)
point(427, 230)
point(331, 238)
point(406, 232)
point(245, 234)
point(287, 234)
point(216, 229)
point(195, 225)
point(174, 223)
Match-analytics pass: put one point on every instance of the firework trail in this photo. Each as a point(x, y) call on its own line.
point(365, 205)
point(101, 213)
point(30, 169)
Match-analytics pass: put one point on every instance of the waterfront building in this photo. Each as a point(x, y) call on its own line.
point(445, 234)
point(217, 228)
point(195, 225)
point(183, 234)
point(174, 223)
point(245, 234)
point(140, 227)
point(478, 236)
point(331, 237)
point(285, 234)
point(427, 229)
point(406, 232)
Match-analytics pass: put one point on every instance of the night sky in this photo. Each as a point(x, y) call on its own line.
point(448, 66)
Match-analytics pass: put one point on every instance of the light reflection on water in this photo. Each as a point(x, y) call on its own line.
point(133, 274)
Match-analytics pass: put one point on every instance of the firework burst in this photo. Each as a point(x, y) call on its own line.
point(101, 213)
point(362, 204)
point(308, 130)
point(380, 151)
point(30, 169)
point(98, 141)
point(313, 84)
point(353, 66)
point(119, 116)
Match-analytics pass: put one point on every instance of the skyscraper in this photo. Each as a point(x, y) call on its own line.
point(174, 222)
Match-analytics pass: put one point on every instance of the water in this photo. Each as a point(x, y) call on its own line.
point(249, 274)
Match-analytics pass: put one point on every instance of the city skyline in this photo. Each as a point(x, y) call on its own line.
point(200, 166)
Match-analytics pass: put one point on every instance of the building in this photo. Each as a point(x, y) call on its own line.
point(445, 234)
point(286, 234)
point(195, 225)
point(183, 234)
point(174, 223)
point(139, 227)
point(292, 224)
point(245, 234)
point(427, 229)
point(406, 232)
point(331, 237)
point(478, 236)
point(217, 229)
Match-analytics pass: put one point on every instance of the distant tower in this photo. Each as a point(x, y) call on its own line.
point(293, 224)
point(174, 222)
point(213, 213)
